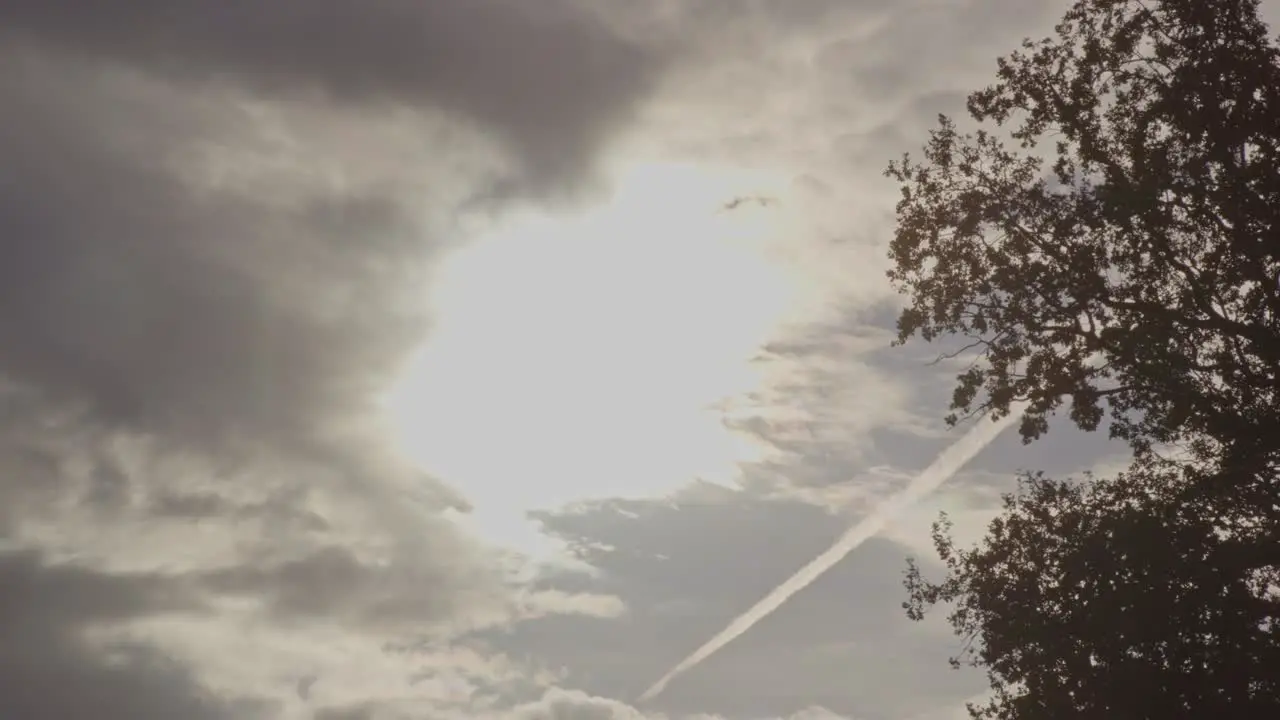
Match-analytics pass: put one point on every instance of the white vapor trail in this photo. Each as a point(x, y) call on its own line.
point(948, 463)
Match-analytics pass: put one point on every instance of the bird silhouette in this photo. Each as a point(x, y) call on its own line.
point(756, 199)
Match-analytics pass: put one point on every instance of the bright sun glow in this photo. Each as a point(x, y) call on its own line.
point(586, 357)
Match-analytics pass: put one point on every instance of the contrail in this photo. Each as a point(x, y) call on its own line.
point(948, 463)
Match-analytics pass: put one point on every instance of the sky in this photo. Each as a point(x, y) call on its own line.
point(473, 358)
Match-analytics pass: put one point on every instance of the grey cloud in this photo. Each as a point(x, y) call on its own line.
point(831, 391)
point(840, 407)
point(873, 64)
point(558, 704)
point(355, 712)
point(870, 151)
point(37, 446)
point(190, 354)
point(563, 704)
point(332, 584)
point(550, 80)
point(292, 566)
point(158, 309)
point(286, 510)
point(39, 596)
point(48, 670)
point(783, 16)
point(218, 319)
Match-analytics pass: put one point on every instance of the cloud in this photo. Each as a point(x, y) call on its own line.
point(561, 704)
point(48, 667)
point(825, 391)
point(152, 305)
point(240, 605)
point(551, 82)
point(218, 225)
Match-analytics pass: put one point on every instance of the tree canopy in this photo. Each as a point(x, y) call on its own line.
point(1143, 596)
point(1108, 238)
point(1120, 247)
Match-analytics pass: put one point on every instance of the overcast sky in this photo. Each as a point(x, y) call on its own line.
point(400, 359)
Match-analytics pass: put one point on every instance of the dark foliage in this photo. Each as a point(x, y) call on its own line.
point(1118, 250)
point(1152, 595)
point(1123, 250)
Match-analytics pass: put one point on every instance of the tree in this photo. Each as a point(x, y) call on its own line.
point(1121, 248)
point(1141, 597)
point(1118, 250)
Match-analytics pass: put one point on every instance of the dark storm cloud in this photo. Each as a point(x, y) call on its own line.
point(548, 79)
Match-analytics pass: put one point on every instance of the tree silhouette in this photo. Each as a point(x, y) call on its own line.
point(1152, 595)
point(1122, 249)
point(1119, 250)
